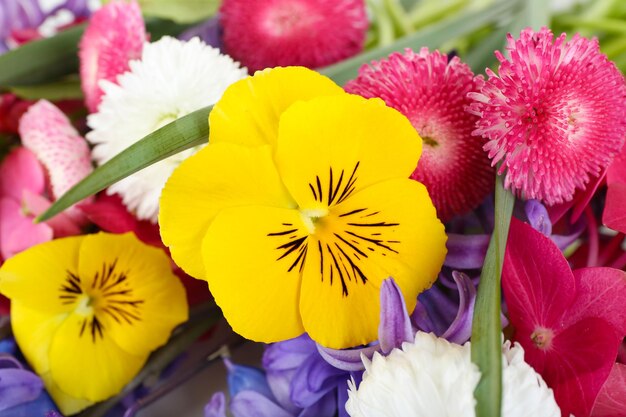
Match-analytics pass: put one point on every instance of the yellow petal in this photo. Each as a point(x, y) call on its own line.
point(140, 300)
point(249, 110)
point(44, 276)
point(330, 147)
point(67, 404)
point(89, 364)
point(219, 176)
point(34, 331)
point(389, 229)
point(253, 259)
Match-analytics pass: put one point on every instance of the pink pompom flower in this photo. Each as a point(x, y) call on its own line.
point(115, 35)
point(554, 115)
point(431, 91)
point(310, 33)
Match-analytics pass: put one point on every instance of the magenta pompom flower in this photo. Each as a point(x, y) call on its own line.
point(114, 36)
point(431, 91)
point(310, 33)
point(554, 114)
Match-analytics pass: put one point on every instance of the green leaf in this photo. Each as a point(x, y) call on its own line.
point(431, 36)
point(65, 89)
point(42, 60)
point(46, 60)
point(184, 133)
point(486, 346)
point(186, 11)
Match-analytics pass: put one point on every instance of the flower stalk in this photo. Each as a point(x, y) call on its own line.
point(486, 329)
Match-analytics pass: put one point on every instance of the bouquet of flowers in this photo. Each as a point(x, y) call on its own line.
point(418, 207)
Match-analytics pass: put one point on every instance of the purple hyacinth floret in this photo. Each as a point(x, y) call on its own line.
point(21, 391)
point(18, 16)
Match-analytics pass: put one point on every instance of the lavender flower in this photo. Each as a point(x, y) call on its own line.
point(29, 19)
point(21, 391)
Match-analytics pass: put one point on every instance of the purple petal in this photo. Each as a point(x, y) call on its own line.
point(246, 378)
point(395, 325)
point(563, 241)
point(18, 386)
point(314, 379)
point(280, 384)
point(217, 406)
point(208, 31)
point(466, 251)
point(326, 407)
point(421, 320)
point(288, 354)
point(253, 404)
point(538, 217)
point(460, 329)
point(440, 308)
point(342, 399)
point(347, 359)
point(8, 361)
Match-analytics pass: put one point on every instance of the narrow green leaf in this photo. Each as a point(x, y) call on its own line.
point(46, 60)
point(42, 60)
point(184, 133)
point(486, 345)
point(431, 36)
point(65, 89)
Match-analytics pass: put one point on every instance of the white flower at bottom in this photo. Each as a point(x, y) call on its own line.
point(172, 79)
point(434, 378)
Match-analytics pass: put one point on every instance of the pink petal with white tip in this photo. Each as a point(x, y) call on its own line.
point(115, 36)
point(48, 133)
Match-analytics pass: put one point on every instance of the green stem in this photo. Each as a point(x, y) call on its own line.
point(486, 345)
point(383, 22)
point(399, 17)
point(427, 13)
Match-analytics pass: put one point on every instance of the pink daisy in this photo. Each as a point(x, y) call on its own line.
point(431, 91)
point(115, 35)
point(47, 132)
point(310, 33)
point(554, 114)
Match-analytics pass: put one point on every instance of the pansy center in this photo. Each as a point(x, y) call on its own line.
point(107, 299)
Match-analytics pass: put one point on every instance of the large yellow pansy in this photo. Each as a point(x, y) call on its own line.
point(296, 222)
point(87, 311)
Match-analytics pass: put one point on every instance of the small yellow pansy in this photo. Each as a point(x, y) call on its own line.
point(87, 311)
point(300, 207)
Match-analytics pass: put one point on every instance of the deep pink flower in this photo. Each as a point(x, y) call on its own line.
point(431, 91)
point(22, 186)
point(614, 215)
point(555, 114)
point(11, 110)
point(611, 401)
point(310, 33)
point(570, 323)
point(115, 35)
point(47, 132)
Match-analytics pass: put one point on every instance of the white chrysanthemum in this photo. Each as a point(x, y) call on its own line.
point(172, 79)
point(434, 378)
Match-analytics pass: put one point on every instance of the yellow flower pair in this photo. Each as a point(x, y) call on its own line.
point(300, 207)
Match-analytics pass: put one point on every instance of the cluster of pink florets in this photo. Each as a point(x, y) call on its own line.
point(431, 91)
point(554, 115)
